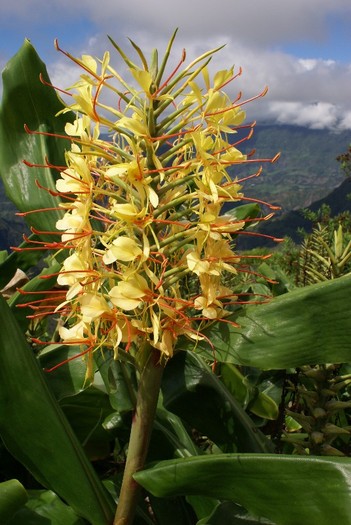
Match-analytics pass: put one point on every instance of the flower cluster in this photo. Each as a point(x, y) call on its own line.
point(143, 189)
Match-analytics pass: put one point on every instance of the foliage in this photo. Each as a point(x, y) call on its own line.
point(298, 179)
point(253, 412)
point(345, 161)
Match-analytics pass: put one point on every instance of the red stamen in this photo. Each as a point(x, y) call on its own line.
point(83, 341)
point(43, 81)
point(257, 174)
point(258, 201)
point(166, 82)
point(75, 60)
point(46, 133)
point(29, 212)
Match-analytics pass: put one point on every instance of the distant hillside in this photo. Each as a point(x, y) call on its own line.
point(11, 226)
point(287, 224)
point(306, 171)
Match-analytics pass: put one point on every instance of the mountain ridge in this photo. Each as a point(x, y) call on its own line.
point(306, 171)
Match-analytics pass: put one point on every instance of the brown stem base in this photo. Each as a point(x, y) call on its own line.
point(148, 392)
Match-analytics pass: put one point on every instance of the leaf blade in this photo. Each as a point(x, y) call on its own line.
point(305, 326)
point(35, 431)
point(284, 489)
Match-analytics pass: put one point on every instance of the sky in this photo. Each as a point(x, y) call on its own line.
point(300, 49)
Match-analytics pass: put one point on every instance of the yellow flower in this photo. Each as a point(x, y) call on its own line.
point(127, 212)
point(144, 200)
point(74, 333)
point(92, 306)
point(128, 294)
point(74, 269)
point(208, 309)
point(122, 249)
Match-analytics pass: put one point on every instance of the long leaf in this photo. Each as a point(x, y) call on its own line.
point(306, 326)
point(27, 101)
point(285, 489)
point(194, 393)
point(36, 432)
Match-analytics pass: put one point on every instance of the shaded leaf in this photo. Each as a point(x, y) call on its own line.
point(120, 382)
point(288, 490)
point(193, 392)
point(28, 408)
point(259, 403)
point(44, 507)
point(23, 260)
point(230, 514)
point(86, 413)
point(67, 379)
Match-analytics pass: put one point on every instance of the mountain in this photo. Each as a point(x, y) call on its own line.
point(305, 172)
point(288, 224)
point(12, 227)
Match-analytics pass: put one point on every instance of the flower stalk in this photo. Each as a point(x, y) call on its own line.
point(143, 418)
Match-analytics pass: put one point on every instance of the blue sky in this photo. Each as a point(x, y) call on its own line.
point(300, 49)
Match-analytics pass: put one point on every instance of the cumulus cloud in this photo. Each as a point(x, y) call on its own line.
point(250, 21)
point(309, 91)
point(318, 115)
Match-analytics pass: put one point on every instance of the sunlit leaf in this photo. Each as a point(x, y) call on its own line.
point(12, 497)
point(27, 101)
point(306, 326)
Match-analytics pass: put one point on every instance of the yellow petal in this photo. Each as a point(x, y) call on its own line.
point(196, 265)
point(122, 249)
point(92, 306)
point(143, 78)
point(128, 295)
point(75, 333)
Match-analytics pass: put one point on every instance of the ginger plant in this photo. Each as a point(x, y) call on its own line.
point(142, 194)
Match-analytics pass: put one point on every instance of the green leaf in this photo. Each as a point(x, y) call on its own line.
point(12, 497)
point(245, 211)
point(44, 507)
point(259, 403)
point(174, 431)
point(285, 489)
point(230, 514)
point(120, 382)
point(41, 283)
point(306, 326)
point(67, 379)
point(27, 101)
point(193, 392)
point(23, 260)
point(36, 432)
point(86, 412)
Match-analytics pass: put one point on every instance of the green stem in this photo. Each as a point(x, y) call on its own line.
point(148, 392)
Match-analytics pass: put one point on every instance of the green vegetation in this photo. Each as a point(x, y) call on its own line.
point(307, 170)
point(253, 421)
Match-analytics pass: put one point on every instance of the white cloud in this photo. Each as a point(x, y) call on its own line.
point(304, 91)
point(251, 21)
point(345, 122)
point(317, 115)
